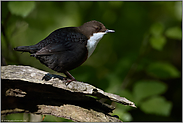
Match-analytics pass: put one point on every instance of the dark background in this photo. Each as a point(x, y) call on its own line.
point(140, 61)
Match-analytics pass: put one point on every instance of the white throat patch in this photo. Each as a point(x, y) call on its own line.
point(93, 41)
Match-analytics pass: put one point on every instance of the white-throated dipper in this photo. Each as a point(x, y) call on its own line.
point(67, 48)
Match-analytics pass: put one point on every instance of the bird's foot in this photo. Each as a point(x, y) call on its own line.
point(67, 81)
point(69, 78)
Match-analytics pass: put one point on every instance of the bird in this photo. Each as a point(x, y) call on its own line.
point(67, 48)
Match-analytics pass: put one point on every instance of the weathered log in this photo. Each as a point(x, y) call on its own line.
point(26, 89)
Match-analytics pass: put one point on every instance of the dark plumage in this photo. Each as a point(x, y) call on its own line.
point(65, 48)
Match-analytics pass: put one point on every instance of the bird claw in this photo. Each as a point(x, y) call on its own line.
point(67, 81)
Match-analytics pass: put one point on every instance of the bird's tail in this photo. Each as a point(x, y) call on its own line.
point(30, 49)
point(22, 48)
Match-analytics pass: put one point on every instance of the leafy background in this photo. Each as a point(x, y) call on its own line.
point(140, 61)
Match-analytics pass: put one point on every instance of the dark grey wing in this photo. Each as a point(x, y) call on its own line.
point(51, 49)
point(64, 39)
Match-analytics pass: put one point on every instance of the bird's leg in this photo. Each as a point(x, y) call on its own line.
point(71, 78)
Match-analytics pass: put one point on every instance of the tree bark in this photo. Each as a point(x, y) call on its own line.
point(29, 90)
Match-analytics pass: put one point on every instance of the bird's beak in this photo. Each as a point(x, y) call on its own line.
point(109, 31)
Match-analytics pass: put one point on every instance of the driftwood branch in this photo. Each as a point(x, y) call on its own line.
point(26, 89)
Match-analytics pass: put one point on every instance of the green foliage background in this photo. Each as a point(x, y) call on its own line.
point(140, 61)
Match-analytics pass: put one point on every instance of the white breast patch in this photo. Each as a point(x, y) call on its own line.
point(93, 41)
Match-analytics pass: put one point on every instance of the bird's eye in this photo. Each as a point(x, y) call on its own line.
point(97, 28)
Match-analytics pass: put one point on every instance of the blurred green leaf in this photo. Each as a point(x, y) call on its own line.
point(158, 42)
point(123, 115)
point(178, 10)
point(174, 33)
point(114, 83)
point(157, 105)
point(127, 94)
point(50, 118)
point(17, 117)
point(147, 88)
point(21, 8)
point(20, 27)
point(156, 29)
point(163, 70)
